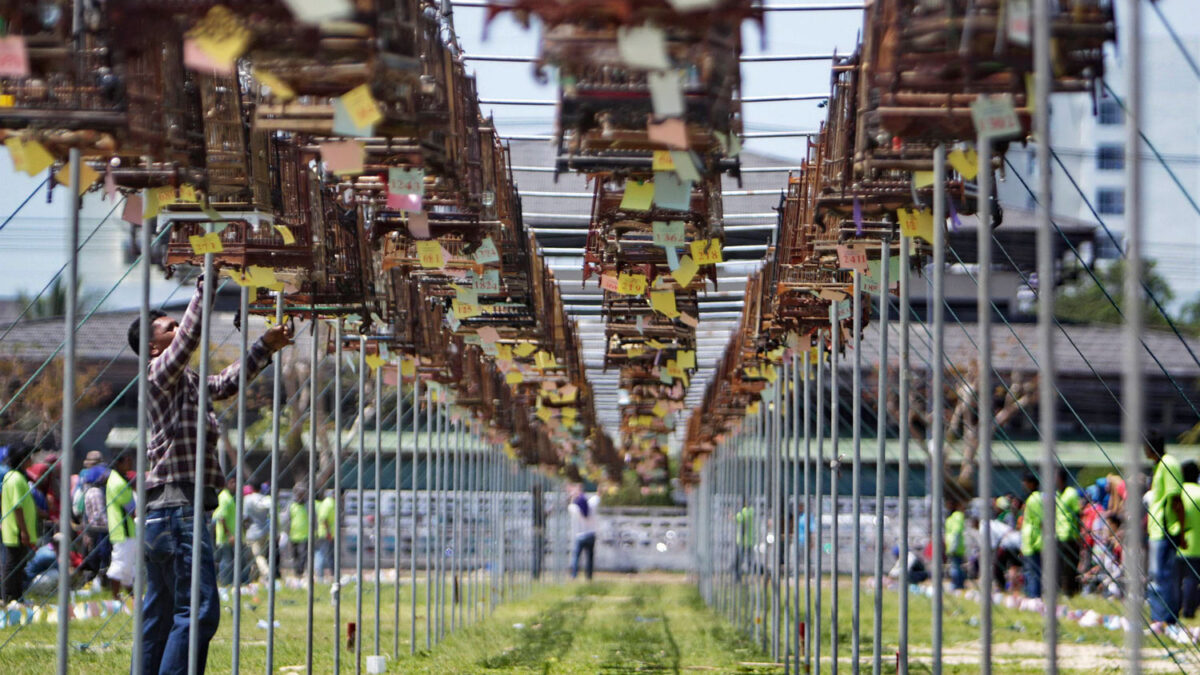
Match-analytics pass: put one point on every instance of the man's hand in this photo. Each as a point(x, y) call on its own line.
point(278, 337)
point(25, 540)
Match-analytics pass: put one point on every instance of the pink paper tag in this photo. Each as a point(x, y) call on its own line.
point(670, 132)
point(133, 210)
point(197, 59)
point(608, 283)
point(418, 223)
point(402, 202)
point(14, 60)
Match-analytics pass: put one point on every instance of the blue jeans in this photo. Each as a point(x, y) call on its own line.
point(225, 564)
point(957, 576)
point(584, 543)
point(167, 603)
point(1189, 575)
point(1031, 566)
point(323, 558)
point(1163, 590)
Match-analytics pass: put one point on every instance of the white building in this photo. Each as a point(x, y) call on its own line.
point(1090, 145)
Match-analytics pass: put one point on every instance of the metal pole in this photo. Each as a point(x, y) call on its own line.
point(856, 476)
point(198, 523)
point(808, 517)
point(885, 250)
point(358, 537)
point(428, 517)
point(378, 497)
point(820, 499)
point(243, 347)
point(787, 513)
point(1047, 284)
point(313, 457)
point(399, 501)
point(66, 459)
point(799, 519)
point(983, 391)
point(1132, 379)
point(276, 404)
point(835, 334)
point(143, 402)
point(458, 525)
point(937, 451)
point(902, 425)
point(412, 548)
point(777, 529)
point(337, 497)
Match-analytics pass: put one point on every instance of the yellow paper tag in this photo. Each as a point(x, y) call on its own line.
point(686, 358)
point(361, 106)
point(545, 360)
point(525, 349)
point(429, 253)
point(663, 161)
point(222, 35)
point(631, 284)
point(408, 367)
point(544, 414)
point(37, 158)
point(206, 243)
point(660, 410)
point(286, 232)
point(374, 361)
point(514, 377)
point(916, 223)
point(464, 310)
point(279, 88)
point(922, 179)
point(673, 368)
point(686, 271)
point(87, 176)
point(965, 163)
point(633, 351)
point(663, 302)
point(706, 252)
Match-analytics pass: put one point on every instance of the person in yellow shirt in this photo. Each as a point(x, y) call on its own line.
point(956, 542)
point(1031, 536)
point(327, 523)
point(225, 528)
point(1189, 559)
point(18, 523)
point(1167, 530)
point(1067, 505)
point(298, 529)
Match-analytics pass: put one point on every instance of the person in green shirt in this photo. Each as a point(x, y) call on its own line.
point(122, 535)
point(1031, 537)
point(298, 529)
point(1189, 560)
point(956, 542)
point(326, 527)
point(1167, 530)
point(18, 524)
point(225, 528)
point(1067, 505)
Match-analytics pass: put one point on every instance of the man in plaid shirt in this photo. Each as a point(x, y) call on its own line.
point(172, 444)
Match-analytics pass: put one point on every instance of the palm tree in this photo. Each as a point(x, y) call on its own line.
point(53, 301)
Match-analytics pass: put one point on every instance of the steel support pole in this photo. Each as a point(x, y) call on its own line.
point(143, 403)
point(835, 461)
point(881, 393)
point(360, 530)
point(799, 517)
point(276, 411)
point(983, 387)
point(1133, 379)
point(1047, 285)
point(808, 515)
point(412, 548)
point(198, 523)
point(399, 469)
point(820, 433)
point(240, 479)
point(458, 525)
point(937, 396)
point(429, 433)
point(903, 430)
point(856, 477)
point(337, 497)
point(787, 513)
point(378, 499)
point(314, 435)
point(66, 460)
point(779, 544)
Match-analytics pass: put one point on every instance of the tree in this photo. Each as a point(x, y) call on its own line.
point(38, 408)
point(53, 302)
point(1086, 301)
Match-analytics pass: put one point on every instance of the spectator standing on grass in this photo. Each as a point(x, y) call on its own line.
point(257, 508)
point(18, 524)
point(956, 542)
point(174, 416)
point(583, 526)
point(1189, 560)
point(298, 530)
point(1031, 536)
point(225, 529)
point(122, 532)
point(326, 527)
point(98, 549)
point(1166, 529)
point(1067, 506)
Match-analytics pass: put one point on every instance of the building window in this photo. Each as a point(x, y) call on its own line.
point(1110, 201)
point(1110, 158)
point(1111, 112)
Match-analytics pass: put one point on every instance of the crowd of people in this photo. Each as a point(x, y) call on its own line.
point(1089, 530)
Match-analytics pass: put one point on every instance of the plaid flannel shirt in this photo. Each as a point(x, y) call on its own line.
point(174, 404)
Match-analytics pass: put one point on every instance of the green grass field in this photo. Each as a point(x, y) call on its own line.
point(618, 625)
